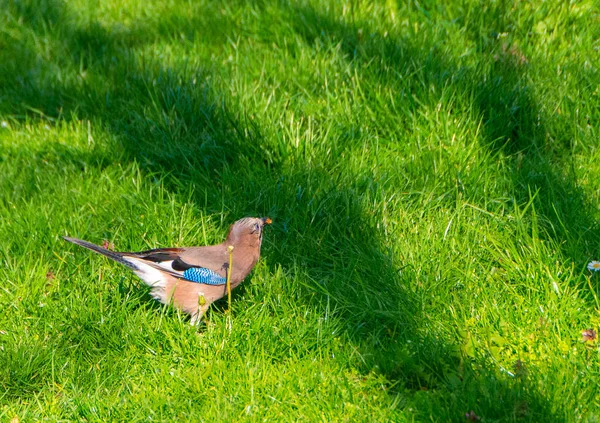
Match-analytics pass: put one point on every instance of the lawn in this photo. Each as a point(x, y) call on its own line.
point(431, 168)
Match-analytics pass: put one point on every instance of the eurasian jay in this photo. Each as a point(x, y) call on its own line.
point(191, 278)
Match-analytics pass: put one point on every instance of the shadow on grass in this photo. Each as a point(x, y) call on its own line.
point(184, 132)
point(512, 120)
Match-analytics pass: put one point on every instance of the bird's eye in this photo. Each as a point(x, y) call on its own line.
point(255, 228)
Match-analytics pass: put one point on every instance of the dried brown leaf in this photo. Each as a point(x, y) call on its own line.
point(588, 335)
point(472, 417)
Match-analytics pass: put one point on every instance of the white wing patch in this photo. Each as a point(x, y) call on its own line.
point(150, 275)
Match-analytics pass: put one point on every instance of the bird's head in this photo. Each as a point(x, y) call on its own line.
point(248, 231)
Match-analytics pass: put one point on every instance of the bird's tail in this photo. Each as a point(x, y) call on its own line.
point(118, 257)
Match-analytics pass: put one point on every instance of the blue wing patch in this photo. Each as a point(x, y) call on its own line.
point(202, 275)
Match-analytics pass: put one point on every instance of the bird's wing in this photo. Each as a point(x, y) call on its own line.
point(206, 265)
point(214, 257)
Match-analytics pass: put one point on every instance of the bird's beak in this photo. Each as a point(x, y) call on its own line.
point(267, 220)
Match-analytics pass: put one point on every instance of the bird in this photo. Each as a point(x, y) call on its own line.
point(191, 278)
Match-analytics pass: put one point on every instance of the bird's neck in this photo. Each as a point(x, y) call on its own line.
point(245, 255)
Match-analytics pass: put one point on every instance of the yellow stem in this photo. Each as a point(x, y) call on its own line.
point(230, 249)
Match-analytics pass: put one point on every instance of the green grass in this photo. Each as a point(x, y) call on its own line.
point(432, 170)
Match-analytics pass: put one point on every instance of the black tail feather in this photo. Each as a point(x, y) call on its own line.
point(118, 257)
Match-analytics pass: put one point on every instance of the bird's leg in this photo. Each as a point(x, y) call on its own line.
point(197, 317)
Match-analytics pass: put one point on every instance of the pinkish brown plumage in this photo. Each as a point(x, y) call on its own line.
point(166, 270)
